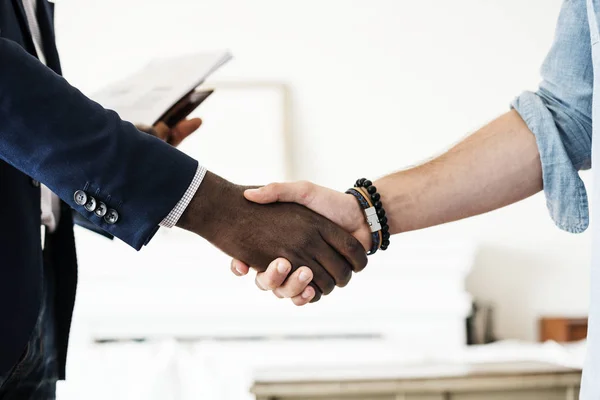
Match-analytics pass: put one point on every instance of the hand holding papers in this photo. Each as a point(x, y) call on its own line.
point(165, 90)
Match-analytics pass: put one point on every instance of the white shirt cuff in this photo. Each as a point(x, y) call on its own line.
point(176, 213)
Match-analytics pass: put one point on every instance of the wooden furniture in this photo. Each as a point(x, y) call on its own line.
point(514, 381)
point(563, 329)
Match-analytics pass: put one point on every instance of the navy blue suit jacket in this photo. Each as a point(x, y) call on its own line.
point(52, 133)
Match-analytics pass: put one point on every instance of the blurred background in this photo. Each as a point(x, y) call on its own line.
point(311, 82)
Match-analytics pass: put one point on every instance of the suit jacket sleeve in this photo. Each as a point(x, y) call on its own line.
point(55, 134)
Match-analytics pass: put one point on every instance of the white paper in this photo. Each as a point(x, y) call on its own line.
point(143, 97)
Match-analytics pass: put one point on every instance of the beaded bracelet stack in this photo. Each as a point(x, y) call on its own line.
point(370, 201)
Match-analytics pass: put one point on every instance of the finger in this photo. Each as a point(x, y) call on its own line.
point(184, 129)
point(275, 274)
point(336, 265)
point(239, 268)
point(346, 245)
point(162, 130)
point(295, 284)
point(321, 277)
point(296, 192)
point(188, 126)
point(317, 293)
point(305, 297)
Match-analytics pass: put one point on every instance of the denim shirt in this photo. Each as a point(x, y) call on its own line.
point(560, 115)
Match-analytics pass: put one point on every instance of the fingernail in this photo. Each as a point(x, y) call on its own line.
point(238, 270)
point(252, 190)
point(306, 294)
point(282, 268)
point(304, 277)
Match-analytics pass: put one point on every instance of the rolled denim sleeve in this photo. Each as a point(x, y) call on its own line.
point(560, 116)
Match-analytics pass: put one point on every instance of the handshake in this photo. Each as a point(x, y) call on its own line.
point(296, 234)
point(302, 239)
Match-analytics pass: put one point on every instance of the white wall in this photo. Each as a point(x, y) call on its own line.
point(399, 79)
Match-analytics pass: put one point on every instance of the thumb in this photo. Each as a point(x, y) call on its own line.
point(297, 192)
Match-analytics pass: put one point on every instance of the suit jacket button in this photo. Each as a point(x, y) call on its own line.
point(91, 204)
point(80, 197)
point(101, 209)
point(35, 183)
point(111, 217)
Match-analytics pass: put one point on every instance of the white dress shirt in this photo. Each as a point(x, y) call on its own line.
point(50, 201)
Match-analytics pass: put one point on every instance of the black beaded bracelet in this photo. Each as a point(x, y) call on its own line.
point(380, 211)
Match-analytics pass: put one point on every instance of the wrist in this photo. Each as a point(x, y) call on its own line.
point(362, 231)
point(207, 209)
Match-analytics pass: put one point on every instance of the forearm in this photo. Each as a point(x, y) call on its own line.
point(203, 216)
point(496, 166)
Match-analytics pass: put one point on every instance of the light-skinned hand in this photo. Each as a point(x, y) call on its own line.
point(340, 208)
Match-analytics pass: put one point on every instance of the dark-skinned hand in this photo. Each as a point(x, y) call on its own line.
point(259, 233)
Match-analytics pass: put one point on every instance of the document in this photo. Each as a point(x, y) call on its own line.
point(164, 90)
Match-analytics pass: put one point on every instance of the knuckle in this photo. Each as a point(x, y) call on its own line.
point(324, 280)
point(284, 291)
point(263, 282)
point(269, 283)
point(274, 190)
point(273, 186)
point(345, 276)
point(352, 245)
point(355, 253)
point(304, 191)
